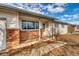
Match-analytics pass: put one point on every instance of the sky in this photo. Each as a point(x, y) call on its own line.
point(66, 12)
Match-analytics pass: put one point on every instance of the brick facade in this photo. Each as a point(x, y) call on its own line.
point(13, 37)
point(29, 34)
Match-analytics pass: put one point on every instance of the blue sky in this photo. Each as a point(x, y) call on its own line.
point(67, 12)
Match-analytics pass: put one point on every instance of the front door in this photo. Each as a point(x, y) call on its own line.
point(2, 35)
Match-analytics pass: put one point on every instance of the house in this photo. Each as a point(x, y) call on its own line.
point(76, 28)
point(71, 28)
point(60, 27)
point(18, 26)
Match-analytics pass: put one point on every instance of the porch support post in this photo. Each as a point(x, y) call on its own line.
point(39, 30)
point(53, 31)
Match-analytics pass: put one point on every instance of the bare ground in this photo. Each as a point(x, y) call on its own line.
point(73, 44)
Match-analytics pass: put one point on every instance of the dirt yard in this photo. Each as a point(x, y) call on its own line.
point(73, 44)
point(71, 39)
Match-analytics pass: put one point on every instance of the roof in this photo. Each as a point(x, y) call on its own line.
point(61, 22)
point(26, 11)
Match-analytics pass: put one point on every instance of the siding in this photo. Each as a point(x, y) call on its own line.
point(63, 30)
point(59, 29)
point(12, 19)
point(77, 28)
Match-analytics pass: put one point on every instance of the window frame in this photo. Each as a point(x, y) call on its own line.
point(29, 28)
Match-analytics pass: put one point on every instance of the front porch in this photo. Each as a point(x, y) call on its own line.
point(35, 47)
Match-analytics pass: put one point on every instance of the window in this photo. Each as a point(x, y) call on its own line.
point(29, 25)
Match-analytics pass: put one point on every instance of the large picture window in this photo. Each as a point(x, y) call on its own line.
point(29, 25)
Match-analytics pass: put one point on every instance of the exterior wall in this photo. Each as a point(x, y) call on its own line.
point(59, 29)
point(28, 34)
point(35, 33)
point(63, 30)
point(12, 18)
point(13, 37)
point(77, 28)
point(55, 29)
point(12, 27)
point(71, 29)
point(48, 30)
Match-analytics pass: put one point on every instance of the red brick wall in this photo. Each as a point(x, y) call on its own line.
point(28, 34)
point(13, 37)
point(16, 36)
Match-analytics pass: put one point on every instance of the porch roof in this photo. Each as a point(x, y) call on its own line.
point(26, 11)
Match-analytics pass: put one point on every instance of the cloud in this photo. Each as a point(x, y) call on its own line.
point(40, 8)
point(60, 4)
point(74, 16)
point(56, 8)
point(34, 7)
point(63, 19)
point(67, 15)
